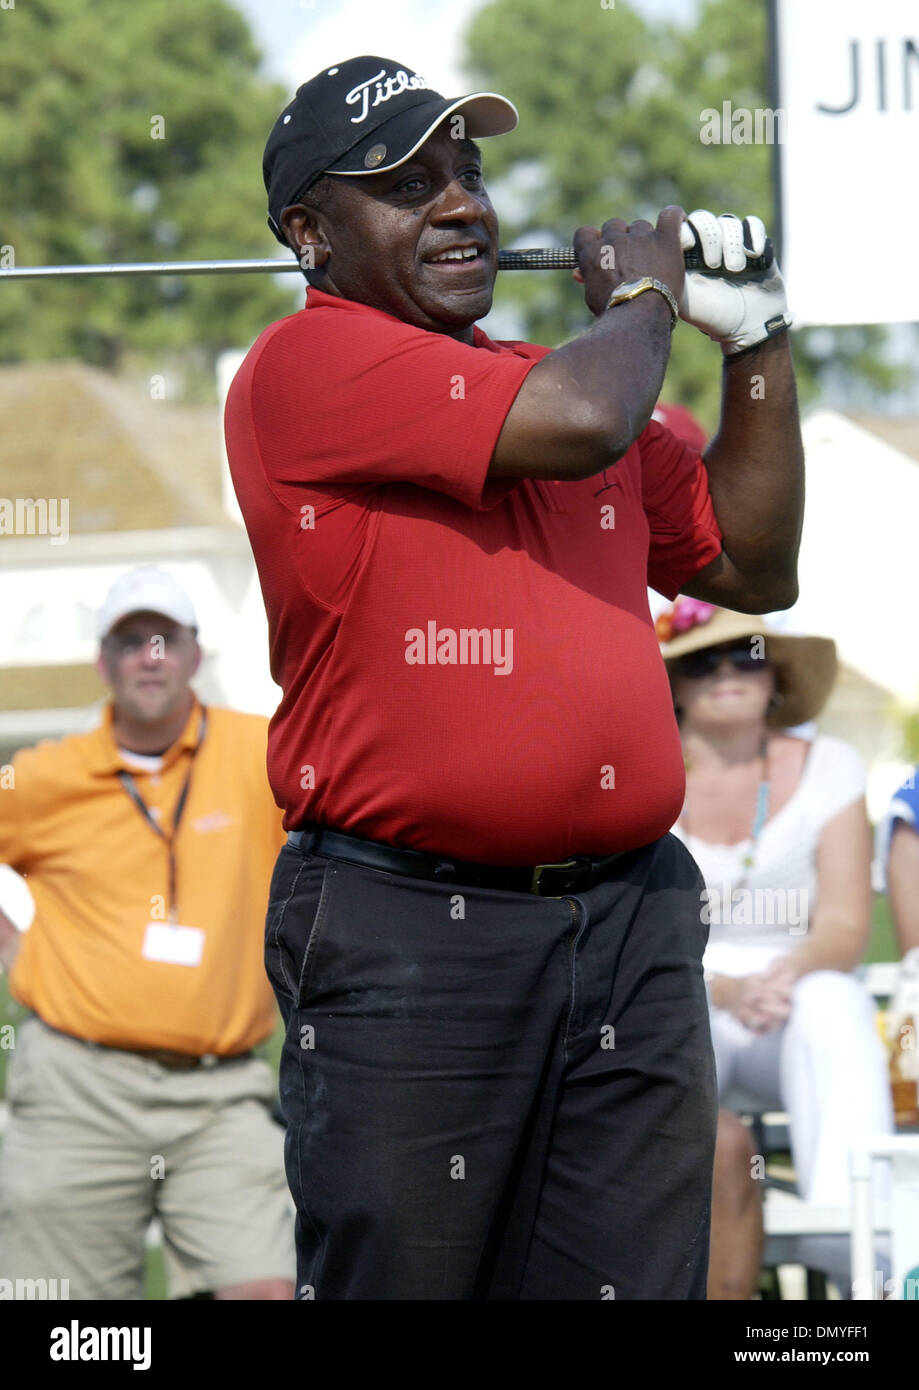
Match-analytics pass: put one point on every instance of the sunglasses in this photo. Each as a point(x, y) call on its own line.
point(695, 665)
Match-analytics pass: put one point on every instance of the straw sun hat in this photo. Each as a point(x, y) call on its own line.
point(805, 667)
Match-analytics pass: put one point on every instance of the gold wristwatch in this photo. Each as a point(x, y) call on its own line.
point(636, 287)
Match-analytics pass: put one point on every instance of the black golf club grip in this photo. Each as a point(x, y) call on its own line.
point(563, 258)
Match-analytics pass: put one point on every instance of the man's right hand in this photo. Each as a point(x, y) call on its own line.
point(584, 405)
point(620, 253)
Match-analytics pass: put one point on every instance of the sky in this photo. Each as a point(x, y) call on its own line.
point(299, 37)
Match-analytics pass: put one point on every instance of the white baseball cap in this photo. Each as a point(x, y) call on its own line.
point(146, 589)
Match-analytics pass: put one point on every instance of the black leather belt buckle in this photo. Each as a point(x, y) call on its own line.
point(178, 1061)
point(552, 880)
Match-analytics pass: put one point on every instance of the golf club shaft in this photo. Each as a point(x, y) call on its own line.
point(533, 258)
point(552, 258)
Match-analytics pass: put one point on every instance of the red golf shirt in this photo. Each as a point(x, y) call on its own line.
point(468, 665)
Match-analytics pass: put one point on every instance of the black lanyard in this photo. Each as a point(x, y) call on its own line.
point(127, 781)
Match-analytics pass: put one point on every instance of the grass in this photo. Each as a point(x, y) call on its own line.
point(155, 1274)
point(882, 943)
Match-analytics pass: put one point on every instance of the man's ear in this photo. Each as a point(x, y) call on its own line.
point(301, 227)
point(102, 667)
point(197, 660)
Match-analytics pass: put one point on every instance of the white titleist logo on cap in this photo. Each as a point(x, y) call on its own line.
point(390, 87)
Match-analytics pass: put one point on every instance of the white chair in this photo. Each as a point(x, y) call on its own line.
point(900, 1216)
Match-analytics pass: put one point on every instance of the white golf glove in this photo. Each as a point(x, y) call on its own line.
point(737, 304)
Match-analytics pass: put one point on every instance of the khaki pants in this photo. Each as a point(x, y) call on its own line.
point(100, 1141)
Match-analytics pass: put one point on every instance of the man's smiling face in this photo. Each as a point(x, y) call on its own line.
point(382, 239)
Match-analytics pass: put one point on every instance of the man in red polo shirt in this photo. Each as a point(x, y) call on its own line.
point(485, 943)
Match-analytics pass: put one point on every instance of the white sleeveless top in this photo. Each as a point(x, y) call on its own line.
point(779, 894)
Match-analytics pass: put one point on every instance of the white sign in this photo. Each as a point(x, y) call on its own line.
point(849, 87)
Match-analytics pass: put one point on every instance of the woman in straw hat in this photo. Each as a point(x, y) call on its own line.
point(778, 826)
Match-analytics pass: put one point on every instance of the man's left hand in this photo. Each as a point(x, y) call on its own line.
point(736, 305)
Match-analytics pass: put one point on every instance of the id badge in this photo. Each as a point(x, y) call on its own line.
point(173, 944)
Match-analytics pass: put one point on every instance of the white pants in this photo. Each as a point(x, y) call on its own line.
point(825, 1067)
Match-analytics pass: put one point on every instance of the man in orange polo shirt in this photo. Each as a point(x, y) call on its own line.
point(133, 1089)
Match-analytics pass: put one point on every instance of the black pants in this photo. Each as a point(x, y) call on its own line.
point(491, 1094)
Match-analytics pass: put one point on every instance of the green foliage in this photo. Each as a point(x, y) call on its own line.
point(84, 179)
point(610, 118)
point(908, 720)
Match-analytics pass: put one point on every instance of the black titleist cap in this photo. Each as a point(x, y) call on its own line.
point(363, 116)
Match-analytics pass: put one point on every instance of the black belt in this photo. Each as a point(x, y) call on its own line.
point(548, 880)
point(164, 1056)
point(183, 1061)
